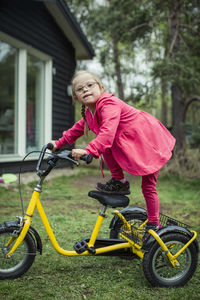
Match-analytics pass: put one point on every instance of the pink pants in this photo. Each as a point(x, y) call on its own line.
point(148, 187)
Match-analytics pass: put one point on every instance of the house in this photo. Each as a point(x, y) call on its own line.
point(40, 43)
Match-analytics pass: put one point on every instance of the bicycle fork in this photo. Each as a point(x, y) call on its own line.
point(26, 222)
point(172, 258)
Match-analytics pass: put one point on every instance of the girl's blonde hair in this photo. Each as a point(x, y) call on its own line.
point(83, 108)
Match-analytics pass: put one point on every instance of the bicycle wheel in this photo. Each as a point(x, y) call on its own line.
point(158, 269)
point(21, 259)
point(135, 219)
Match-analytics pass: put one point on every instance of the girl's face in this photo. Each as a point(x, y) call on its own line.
point(87, 90)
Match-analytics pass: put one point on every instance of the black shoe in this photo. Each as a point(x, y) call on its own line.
point(150, 226)
point(114, 187)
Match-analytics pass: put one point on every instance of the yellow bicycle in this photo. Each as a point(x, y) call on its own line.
point(169, 256)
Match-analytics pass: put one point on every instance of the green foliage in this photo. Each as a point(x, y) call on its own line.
point(195, 137)
point(165, 37)
point(144, 25)
point(193, 125)
point(112, 25)
point(179, 62)
point(182, 70)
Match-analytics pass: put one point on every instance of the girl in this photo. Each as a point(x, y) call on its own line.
point(128, 139)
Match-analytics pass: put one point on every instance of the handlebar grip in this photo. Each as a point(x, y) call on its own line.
point(41, 157)
point(87, 158)
point(50, 146)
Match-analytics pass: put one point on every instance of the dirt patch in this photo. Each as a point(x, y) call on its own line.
point(87, 181)
point(32, 176)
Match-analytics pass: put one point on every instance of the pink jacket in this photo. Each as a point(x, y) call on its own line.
point(139, 143)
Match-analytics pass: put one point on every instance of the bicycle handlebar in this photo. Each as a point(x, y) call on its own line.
point(49, 146)
point(41, 157)
point(87, 158)
point(66, 154)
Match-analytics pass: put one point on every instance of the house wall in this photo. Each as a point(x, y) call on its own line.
point(30, 22)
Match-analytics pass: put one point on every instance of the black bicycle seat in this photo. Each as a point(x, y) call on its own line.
point(112, 200)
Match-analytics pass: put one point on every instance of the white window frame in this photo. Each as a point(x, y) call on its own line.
point(23, 50)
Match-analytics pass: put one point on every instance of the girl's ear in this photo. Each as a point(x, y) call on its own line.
point(74, 96)
point(102, 88)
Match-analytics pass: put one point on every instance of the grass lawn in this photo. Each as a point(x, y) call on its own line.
point(72, 214)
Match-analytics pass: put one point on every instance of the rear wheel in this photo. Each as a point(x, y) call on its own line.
point(21, 260)
point(158, 269)
point(135, 219)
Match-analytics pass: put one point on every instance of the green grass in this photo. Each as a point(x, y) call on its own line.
point(72, 214)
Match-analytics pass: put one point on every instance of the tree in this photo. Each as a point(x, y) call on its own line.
point(111, 28)
point(179, 65)
point(168, 30)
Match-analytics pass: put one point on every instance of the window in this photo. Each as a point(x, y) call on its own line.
point(25, 99)
point(34, 103)
point(8, 68)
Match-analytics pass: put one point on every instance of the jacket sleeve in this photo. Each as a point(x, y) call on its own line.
point(71, 135)
point(109, 120)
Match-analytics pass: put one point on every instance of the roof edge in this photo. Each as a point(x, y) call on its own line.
point(70, 27)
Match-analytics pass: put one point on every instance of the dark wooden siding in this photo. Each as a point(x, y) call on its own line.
point(30, 22)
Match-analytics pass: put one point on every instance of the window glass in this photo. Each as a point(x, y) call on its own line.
point(34, 103)
point(8, 115)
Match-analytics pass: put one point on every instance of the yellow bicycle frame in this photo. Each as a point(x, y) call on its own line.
point(136, 249)
point(35, 202)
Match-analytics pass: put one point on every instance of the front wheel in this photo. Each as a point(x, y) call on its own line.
point(22, 258)
point(158, 269)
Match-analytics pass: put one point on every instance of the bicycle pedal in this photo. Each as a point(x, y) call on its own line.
point(82, 246)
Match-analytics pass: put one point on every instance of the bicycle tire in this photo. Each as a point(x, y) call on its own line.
point(137, 218)
point(158, 269)
point(22, 258)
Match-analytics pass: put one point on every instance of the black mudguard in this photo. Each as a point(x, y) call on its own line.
point(169, 229)
point(126, 211)
point(32, 231)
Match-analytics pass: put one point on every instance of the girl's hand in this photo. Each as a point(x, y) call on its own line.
point(77, 153)
point(54, 146)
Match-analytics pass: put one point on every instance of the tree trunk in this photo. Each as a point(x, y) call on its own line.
point(118, 70)
point(177, 118)
point(177, 102)
point(164, 89)
point(164, 101)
